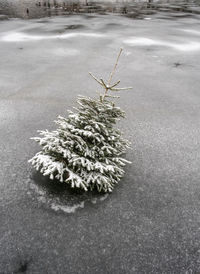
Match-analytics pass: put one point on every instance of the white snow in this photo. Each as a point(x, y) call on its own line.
point(67, 209)
point(94, 201)
point(43, 198)
point(192, 31)
point(104, 197)
point(19, 36)
point(55, 204)
point(143, 41)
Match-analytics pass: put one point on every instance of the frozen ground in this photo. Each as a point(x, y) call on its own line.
point(151, 222)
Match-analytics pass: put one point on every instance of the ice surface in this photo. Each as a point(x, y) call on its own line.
point(142, 41)
point(22, 37)
point(150, 223)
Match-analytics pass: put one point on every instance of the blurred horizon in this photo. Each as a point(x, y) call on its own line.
point(45, 8)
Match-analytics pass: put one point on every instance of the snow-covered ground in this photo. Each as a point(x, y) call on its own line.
point(150, 224)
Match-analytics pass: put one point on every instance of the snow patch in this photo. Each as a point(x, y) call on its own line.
point(67, 209)
point(191, 31)
point(42, 197)
point(142, 41)
point(94, 200)
point(193, 46)
point(37, 190)
point(19, 37)
point(56, 204)
point(103, 197)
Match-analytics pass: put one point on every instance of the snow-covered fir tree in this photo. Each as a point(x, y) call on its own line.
point(85, 150)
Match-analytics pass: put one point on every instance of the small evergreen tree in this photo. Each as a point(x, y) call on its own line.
point(85, 150)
